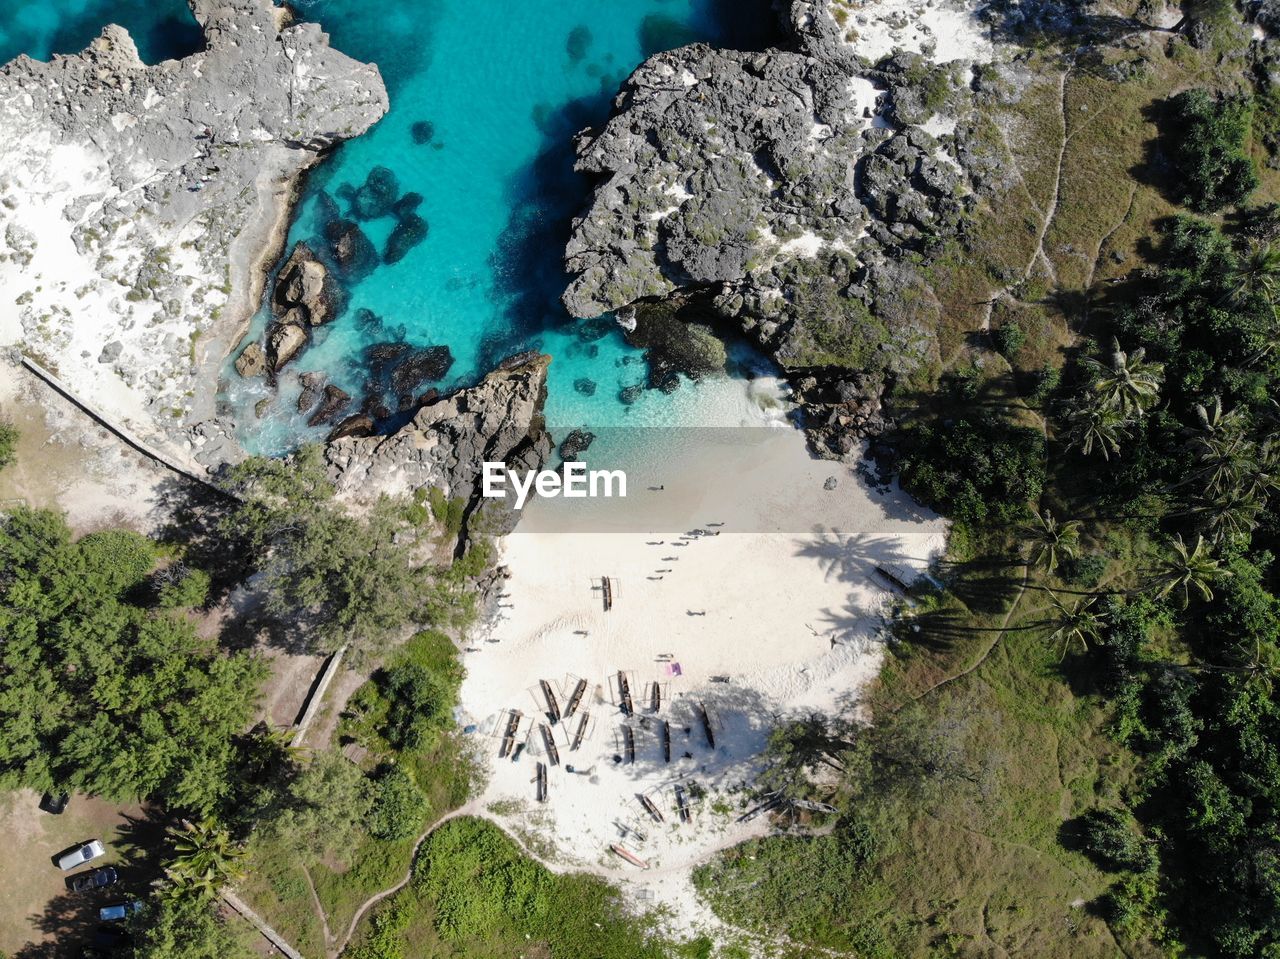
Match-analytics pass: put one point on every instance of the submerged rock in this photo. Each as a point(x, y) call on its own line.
point(585, 386)
point(351, 249)
point(630, 394)
point(409, 232)
point(423, 132)
point(676, 343)
point(417, 367)
point(578, 42)
point(575, 444)
point(377, 197)
point(306, 289)
point(407, 204)
point(335, 400)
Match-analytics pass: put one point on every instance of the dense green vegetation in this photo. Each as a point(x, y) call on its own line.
point(345, 578)
point(1208, 138)
point(474, 894)
point(1076, 747)
point(105, 687)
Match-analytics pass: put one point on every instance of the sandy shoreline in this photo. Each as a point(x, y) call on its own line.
point(778, 615)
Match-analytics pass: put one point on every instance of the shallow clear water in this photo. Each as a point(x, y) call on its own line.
point(504, 86)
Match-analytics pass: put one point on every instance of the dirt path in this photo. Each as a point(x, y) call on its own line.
point(320, 914)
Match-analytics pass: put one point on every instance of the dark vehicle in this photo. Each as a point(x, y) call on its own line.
point(118, 911)
point(54, 803)
point(105, 938)
point(94, 879)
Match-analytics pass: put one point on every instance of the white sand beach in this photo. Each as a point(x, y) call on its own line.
point(773, 614)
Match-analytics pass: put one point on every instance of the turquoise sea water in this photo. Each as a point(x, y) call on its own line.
point(503, 86)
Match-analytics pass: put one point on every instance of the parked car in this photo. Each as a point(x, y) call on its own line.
point(81, 854)
point(98, 878)
point(118, 911)
point(107, 939)
point(54, 803)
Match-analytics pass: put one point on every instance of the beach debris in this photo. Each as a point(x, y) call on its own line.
point(768, 803)
point(682, 804)
point(629, 856)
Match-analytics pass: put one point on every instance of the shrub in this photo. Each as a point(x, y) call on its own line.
point(399, 808)
point(1208, 147)
point(977, 467)
point(8, 444)
point(1009, 340)
point(1111, 840)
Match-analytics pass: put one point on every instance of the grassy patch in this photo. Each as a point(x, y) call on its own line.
point(474, 896)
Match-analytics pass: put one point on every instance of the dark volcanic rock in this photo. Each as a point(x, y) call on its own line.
point(417, 367)
point(575, 444)
point(335, 400)
point(674, 342)
point(305, 284)
point(409, 232)
point(407, 204)
point(423, 132)
point(377, 196)
point(358, 424)
point(446, 443)
point(353, 252)
point(517, 360)
point(367, 319)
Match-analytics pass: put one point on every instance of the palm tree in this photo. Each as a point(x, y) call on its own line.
point(1095, 426)
point(1184, 570)
point(1126, 381)
point(1256, 273)
point(204, 859)
point(1050, 540)
point(1081, 623)
point(1232, 515)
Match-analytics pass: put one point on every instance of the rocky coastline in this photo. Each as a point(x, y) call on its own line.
point(787, 195)
point(142, 207)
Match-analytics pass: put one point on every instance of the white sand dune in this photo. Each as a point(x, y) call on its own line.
point(784, 604)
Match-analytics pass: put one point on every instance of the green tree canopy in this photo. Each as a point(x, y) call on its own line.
point(100, 692)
